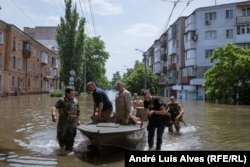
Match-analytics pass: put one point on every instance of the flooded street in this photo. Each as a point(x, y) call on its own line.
point(28, 136)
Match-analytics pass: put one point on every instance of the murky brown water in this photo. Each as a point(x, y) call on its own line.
point(28, 136)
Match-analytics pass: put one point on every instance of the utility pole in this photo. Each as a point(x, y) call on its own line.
point(145, 67)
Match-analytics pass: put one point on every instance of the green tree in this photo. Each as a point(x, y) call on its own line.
point(230, 74)
point(134, 79)
point(95, 59)
point(116, 77)
point(70, 37)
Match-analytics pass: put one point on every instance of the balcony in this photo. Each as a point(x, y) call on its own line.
point(26, 49)
point(190, 23)
point(55, 63)
point(164, 56)
point(165, 69)
point(172, 66)
point(242, 19)
point(44, 58)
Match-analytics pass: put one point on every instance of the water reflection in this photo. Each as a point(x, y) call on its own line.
point(28, 136)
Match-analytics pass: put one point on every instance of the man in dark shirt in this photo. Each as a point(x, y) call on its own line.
point(102, 105)
point(156, 118)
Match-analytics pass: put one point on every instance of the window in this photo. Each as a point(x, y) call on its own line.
point(243, 29)
point(229, 14)
point(210, 16)
point(208, 53)
point(18, 82)
point(210, 35)
point(14, 43)
point(20, 45)
point(244, 45)
point(19, 64)
point(246, 12)
point(1, 59)
point(14, 62)
point(13, 82)
point(28, 82)
point(229, 33)
point(29, 68)
point(1, 38)
point(24, 64)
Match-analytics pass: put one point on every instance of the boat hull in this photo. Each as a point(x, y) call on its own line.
point(113, 135)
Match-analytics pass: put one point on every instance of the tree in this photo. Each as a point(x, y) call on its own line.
point(134, 79)
point(95, 59)
point(230, 74)
point(70, 38)
point(116, 77)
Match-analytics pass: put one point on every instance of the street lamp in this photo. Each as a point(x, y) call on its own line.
point(145, 66)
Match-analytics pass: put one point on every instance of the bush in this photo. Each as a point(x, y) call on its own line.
point(56, 93)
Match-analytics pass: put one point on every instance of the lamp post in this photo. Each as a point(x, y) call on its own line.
point(145, 67)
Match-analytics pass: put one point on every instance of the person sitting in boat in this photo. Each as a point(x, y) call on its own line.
point(102, 105)
point(156, 118)
point(123, 104)
point(133, 119)
point(135, 97)
point(176, 113)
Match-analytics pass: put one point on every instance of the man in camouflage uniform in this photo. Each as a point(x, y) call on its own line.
point(176, 112)
point(68, 109)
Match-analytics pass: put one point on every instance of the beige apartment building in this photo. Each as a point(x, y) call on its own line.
point(26, 65)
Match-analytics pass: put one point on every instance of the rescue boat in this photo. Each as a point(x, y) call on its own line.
point(113, 135)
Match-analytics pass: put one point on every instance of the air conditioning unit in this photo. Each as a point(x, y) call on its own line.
point(195, 37)
point(208, 22)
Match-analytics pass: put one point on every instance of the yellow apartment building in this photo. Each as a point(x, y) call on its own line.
point(26, 66)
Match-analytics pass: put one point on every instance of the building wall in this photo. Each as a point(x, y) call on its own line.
point(22, 74)
point(199, 38)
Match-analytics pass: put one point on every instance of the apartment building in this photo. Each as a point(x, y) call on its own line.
point(26, 66)
point(46, 35)
point(189, 43)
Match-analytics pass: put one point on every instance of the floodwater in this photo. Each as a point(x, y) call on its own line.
point(28, 136)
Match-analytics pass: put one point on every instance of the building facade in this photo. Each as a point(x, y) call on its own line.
point(26, 65)
point(187, 45)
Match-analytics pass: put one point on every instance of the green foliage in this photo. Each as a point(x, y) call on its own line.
point(227, 79)
point(134, 79)
point(56, 93)
point(96, 57)
point(116, 77)
point(70, 38)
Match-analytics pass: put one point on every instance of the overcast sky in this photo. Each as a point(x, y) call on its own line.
point(123, 25)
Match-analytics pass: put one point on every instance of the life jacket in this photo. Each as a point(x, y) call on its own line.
point(174, 109)
point(68, 108)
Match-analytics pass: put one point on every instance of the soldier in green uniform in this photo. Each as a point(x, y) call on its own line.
point(176, 112)
point(68, 109)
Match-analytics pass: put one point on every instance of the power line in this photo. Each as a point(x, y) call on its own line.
point(92, 16)
point(24, 13)
point(84, 17)
point(175, 4)
point(168, 20)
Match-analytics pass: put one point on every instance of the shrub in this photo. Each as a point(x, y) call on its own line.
point(56, 93)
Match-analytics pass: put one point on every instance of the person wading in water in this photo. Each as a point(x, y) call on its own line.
point(69, 111)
